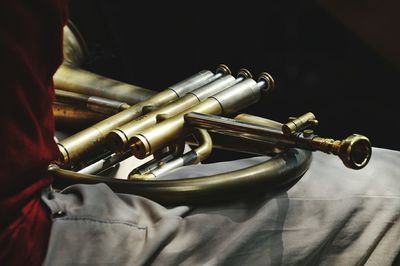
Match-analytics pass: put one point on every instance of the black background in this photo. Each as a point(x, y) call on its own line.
point(318, 63)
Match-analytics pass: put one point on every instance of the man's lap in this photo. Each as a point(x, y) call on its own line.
point(332, 215)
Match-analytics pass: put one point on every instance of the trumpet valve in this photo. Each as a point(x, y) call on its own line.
point(268, 82)
point(223, 69)
point(244, 73)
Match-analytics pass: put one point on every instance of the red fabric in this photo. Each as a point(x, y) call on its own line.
point(30, 52)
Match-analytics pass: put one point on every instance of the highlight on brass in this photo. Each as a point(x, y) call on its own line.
point(354, 151)
point(179, 126)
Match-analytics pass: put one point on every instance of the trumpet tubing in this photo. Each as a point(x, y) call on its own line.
point(118, 139)
point(153, 138)
point(78, 80)
point(269, 175)
point(87, 140)
point(67, 116)
point(94, 103)
point(155, 122)
point(71, 77)
point(241, 143)
point(354, 151)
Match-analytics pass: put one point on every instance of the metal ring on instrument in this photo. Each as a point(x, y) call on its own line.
point(266, 176)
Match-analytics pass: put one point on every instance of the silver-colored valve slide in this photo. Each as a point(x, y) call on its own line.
point(214, 87)
point(203, 77)
point(238, 96)
point(119, 137)
point(73, 147)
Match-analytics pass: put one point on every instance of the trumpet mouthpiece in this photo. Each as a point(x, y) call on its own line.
point(355, 151)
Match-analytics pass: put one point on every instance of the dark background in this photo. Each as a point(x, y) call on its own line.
point(336, 59)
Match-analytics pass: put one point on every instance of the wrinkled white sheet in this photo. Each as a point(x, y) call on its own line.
point(331, 216)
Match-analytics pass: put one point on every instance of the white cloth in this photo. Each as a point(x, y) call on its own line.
point(331, 216)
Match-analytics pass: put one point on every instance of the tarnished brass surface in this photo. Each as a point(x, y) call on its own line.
point(118, 139)
point(86, 140)
point(297, 124)
point(74, 46)
point(94, 103)
point(205, 145)
point(81, 81)
point(246, 132)
point(73, 98)
point(354, 151)
point(266, 176)
point(258, 120)
point(145, 137)
point(71, 77)
point(204, 149)
point(71, 117)
point(240, 144)
point(73, 147)
point(153, 138)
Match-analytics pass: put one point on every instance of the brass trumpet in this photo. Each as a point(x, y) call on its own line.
point(159, 123)
point(71, 79)
point(354, 151)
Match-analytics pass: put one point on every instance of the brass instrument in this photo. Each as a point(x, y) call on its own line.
point(354, 151)
point(119, 138)
point(71, 77)
point(159, 124)
point(68, 78)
